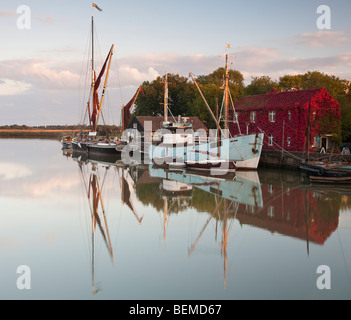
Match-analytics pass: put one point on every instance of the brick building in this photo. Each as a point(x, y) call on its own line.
point(283, 117)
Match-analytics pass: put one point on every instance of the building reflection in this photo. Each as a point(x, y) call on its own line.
point(293, 208)
point(276, 201)
point(273, 200)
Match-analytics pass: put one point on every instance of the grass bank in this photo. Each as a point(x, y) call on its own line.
point(35, 133)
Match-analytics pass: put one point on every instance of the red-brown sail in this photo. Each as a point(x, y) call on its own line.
point(95, 94)
point(126, 110)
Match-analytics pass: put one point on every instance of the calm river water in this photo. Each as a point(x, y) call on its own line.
point(76, 229)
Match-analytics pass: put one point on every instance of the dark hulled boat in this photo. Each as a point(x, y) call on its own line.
point(325, 169)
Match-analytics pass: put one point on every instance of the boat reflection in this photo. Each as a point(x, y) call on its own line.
point(90, 177)
point(226, 196)
point(93, 173)
point(272, 200)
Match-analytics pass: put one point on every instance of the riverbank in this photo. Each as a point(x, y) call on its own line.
point(269, 158)
point(51, 132)
point(292, 160)
point(36, 133)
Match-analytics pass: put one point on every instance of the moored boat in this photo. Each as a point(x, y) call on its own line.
point(325, 169)
point(92, 143)
point(180, 142)
point(66, 142)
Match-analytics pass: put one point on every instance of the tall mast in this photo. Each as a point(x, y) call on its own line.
point(226, 95)
point(165, 102)
point(92, 59)
point(92, 47)
point(92, 39)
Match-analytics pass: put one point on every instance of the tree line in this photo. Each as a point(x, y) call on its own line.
point(185, 99)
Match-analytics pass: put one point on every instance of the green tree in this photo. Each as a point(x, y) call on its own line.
point(151, 103)
point(260, 85)
point(185, 99)
point(211, 86)
point(290, 82)
point(345, 109)
point(334, 85)
point(316, 79)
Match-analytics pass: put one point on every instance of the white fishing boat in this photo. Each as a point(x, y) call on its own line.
point(180, 143)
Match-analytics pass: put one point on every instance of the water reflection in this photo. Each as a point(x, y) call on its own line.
point(271, 200)
point(93, 190)
point(93, 173)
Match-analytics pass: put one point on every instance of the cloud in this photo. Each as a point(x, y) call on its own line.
point(49, 187)
point(9, 171)
point(28, 73)
point(322, 39)
point(129, 75)
point(47, 19)
point(11, 87)
point(41, 91)
point(22, 75)
point(7, 13)
point(154, 65)
point(253, 61)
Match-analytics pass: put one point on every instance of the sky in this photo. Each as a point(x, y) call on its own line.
point(44, 56)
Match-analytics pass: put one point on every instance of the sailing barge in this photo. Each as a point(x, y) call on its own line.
point(92, 143)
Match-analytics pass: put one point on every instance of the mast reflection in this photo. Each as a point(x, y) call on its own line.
point(272, 200)
point(94, 172)
point(276, 201)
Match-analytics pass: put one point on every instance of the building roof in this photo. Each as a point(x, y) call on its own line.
point(157, 122)
point(275, 100)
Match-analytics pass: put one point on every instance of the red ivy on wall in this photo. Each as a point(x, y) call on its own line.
point(291, 116)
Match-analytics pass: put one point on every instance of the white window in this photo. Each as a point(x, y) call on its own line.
point(236, 117)
point(271, 116)
point(289, 115)
point(288, 141)
point(270, 212)
point(270, 140)
point(270, 188)
point(253, 116)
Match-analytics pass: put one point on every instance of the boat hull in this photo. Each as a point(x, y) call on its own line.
point(323, 171)
point(331, 180)
point(226, 166)
point(80, 146)
point(111, 149)
point(244, 150)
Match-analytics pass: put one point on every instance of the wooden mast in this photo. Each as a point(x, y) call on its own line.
point(92, 58)
point(226, 97)
point(308, 133)
point(165, 102)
